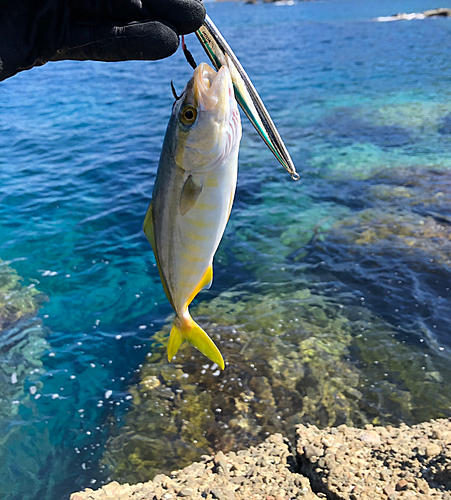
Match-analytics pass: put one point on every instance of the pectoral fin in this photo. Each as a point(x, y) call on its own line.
point(190, 193)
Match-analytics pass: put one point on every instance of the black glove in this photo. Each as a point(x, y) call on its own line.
point(33, 32)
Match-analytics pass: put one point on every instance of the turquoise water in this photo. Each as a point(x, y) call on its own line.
point(79, 147)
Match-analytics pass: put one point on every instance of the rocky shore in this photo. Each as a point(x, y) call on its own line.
point(338, 463)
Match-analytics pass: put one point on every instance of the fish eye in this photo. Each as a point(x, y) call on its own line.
point(188, 115)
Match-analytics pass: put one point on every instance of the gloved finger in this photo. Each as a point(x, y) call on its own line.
point(148, 41)
point(185, 15)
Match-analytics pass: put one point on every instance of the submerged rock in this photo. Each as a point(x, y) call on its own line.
point(394, 252)
point(337, 335)
point(285, 364)
point(16, 301)
point(291, 357)
point(22, 344)
point(21, 341)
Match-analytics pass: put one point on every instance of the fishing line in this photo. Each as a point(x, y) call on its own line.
point(188, 56)
point(174, 92)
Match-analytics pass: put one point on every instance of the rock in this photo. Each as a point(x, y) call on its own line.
point(221, 495)
point(16, 301)
point(23, 347)
point(391, 470)
point(401, 485)
point(433, 449)
point(441, 12)
point(220, 461)
point(186, 492)
point(312, 451)
point(112, 488)
point(372, 438)
point(389, 490)
point(271, 475)
point(394, 468)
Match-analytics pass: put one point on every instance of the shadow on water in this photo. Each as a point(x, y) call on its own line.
point(343, 127)
point(445, 125)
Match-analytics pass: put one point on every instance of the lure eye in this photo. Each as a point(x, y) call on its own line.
point(188, 115)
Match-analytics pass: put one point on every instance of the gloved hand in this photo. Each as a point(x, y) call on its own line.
point(33, 32)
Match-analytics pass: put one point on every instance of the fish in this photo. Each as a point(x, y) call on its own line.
point(193, 196)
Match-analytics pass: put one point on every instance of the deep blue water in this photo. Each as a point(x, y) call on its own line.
point(79, 148)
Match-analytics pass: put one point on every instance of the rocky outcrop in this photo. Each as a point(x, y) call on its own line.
point(267, 472)
point(378, 462)
point(339, 463)
point(440, 12)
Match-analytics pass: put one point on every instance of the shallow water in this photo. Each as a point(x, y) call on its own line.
point(353, 99)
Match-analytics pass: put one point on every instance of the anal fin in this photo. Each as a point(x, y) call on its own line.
point(205, 282)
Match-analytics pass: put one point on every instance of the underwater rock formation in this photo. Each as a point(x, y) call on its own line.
point(22, 343)
point(21, 340)
point(394, 251)
point(285, 364)
point(16, 301)
point(331, 338)
point(291, 358)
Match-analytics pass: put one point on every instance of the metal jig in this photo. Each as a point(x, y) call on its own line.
point(221, 54)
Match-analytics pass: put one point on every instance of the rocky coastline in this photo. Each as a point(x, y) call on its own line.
point(403, 16)
point(338, 463)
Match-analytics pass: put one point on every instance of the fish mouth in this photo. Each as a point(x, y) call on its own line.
point(212, 89)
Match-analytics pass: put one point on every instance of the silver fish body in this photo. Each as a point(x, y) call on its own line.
point(193, 197)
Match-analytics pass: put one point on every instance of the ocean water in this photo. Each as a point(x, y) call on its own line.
point(365, 110)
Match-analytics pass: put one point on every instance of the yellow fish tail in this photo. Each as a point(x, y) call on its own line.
point(188, 329)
